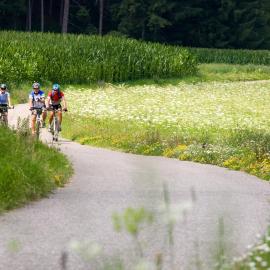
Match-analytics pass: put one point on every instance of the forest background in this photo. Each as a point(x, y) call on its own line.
point(194, 23)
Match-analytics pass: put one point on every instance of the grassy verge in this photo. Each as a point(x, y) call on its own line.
point(29, 169)
point(213, 72)
point(229, 72)
point(231, 56)
point(244, 150)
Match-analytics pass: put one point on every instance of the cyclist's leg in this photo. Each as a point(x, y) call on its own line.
point(6, 118)
point(44, 115)
point(60, 117)
point(50, 121)
point(33, 122)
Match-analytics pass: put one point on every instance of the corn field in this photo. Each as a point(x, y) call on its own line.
point(229, 56)
point(84, 59)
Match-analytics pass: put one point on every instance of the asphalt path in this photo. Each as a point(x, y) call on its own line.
point(36, 236)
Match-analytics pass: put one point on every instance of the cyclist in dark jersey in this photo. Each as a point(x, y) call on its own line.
point(55, 97)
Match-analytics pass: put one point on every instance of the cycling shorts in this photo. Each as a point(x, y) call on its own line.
point(3, 108)
point(34, 112)
point(57, 107)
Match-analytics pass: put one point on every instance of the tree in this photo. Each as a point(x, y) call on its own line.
point(252, 29)
point(188, 21)
point(42, 15)
point(158, 17)
point(29, 15)
point(101, 10)
point(51, 8)
point(65, 16)
point(131, 16)
point(13, 14)
point(143, 18)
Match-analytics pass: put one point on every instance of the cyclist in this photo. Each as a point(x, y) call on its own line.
point(37, 100)
point(5, 102)
point(55, 97)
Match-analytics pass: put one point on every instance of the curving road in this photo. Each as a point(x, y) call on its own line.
point(35, 236)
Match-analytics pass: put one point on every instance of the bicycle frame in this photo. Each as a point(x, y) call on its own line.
point(38, 121)
point(3, 111)
point(55, 125)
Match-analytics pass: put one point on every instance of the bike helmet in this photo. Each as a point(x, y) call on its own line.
point(36, 85)
point(56, 87)
point(3, 86)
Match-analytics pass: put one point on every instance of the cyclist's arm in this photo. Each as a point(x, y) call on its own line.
point(64, 102)
point(9, 101)
point(30, 103)
point(48, 100)
point(43, 100)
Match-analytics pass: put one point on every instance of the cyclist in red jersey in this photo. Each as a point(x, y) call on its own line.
point(55, 97)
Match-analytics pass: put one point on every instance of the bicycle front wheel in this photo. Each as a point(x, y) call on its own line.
point(37, 129)
point(55, 129)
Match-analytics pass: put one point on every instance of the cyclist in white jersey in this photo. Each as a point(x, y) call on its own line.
point(5, 102)
point(37, 101)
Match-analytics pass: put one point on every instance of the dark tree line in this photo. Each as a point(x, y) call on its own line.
point(199, 23)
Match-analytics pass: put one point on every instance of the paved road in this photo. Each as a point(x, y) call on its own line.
point(34, 237)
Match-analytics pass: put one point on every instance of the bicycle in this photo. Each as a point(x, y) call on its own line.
point(3, 114)
point(55, 124)
point(38, 123)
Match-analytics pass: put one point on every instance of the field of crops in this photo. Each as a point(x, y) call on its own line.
point(88, 59)
point(85, 59)
point(229, 56)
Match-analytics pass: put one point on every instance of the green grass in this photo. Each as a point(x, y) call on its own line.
point(229, 72)
point(29, 169)
point(232, 56)
point(226, 124)
point(213, 72)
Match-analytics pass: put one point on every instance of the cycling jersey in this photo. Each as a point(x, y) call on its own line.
point(4, 98)
point(55, 98)
point(36, 98)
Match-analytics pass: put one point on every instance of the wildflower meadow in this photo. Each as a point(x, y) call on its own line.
point(222, 123)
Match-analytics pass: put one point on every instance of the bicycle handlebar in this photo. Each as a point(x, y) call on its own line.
point(6, 106)
point(35, 108)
